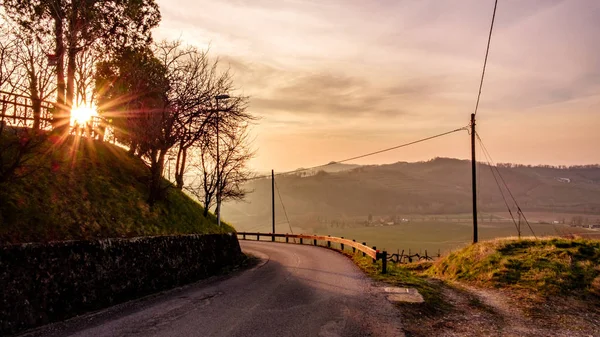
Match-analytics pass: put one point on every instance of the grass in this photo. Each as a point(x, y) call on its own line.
point(410, 276)
point(437, 235)
point(541, 268)
point(84, 189)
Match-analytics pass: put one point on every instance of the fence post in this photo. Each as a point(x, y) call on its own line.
point(342, 245)
point(273, 237)
point(300, 240)
point(287, 239)
point(328, 242)
point(3, 108)
point(364, 244)
point(257, 237)
point(314, 242)
point(375, 259)
point(244, 236)
point(384, 262)
point(354, 248)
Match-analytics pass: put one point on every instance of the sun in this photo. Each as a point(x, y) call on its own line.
point(82, 114)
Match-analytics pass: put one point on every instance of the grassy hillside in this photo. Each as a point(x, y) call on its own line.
point(81, 189)
point(508, 287)
point(544, 267)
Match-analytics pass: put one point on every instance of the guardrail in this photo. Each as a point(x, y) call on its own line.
point(327, 240)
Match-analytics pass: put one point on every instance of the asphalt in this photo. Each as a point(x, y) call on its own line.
point(295, 290)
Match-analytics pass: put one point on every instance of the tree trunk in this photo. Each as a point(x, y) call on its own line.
point(35, 99)
point(59, 118)
point(180, 169)
point(72, 53)
point(206, 205)
point(156, 168)
point(133, 148)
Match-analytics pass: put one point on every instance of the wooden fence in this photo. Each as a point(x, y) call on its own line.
point(17, 110)
point(321, 240)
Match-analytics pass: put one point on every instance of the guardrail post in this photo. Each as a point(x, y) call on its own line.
point(273, 237)
point(364, 244)
point(244, 236)
point(300, 240)
point(257, 237)
point(353, 248)
point(314, 242)
point(328, 242)
point(287, 239)
point(384, 262)
point(342, 245)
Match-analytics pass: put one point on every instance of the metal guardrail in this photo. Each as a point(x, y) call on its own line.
point(361, 247)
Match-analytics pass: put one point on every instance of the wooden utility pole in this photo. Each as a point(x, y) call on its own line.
point(273, 202)
point(474, 178)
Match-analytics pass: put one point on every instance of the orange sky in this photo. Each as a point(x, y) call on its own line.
point(336, 78)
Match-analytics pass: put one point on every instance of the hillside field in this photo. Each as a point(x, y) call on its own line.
point(84, 189)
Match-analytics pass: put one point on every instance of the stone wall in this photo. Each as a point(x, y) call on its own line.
point(43, 283)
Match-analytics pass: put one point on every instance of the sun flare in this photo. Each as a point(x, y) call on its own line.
point(82, 114)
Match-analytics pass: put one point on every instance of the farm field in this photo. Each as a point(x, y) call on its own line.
point(430, 235)
point(418, 236)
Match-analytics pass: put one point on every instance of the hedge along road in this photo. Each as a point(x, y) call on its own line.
point(295, 290)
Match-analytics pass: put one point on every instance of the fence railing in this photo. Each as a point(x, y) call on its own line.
point(326, 241)
point(18, 110)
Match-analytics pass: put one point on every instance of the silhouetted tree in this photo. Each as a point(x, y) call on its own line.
point(31, 75)
point(75, 25)
point(131, 92)
point(235, 153)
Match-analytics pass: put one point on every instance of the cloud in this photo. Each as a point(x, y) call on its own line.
point(401, 65)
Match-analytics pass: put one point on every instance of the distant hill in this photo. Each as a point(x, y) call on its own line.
point(88, 189)
point(438, 186)
point(331, 167)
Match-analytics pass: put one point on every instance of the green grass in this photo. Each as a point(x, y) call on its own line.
point(546, 267)
point(89, 189)
point(437, 235)
point(410, 276)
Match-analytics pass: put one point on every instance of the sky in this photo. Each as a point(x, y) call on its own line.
point(332, 79)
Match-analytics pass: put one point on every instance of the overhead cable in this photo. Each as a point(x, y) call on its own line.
point(519, 210)
point(364, 155)
point(487, 51)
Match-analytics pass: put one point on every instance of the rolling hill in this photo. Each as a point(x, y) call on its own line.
point(440, 186)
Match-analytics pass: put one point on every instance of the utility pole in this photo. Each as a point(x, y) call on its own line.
point(519, 225)
point(474, 178)
point(218, 210)
point(273, 202)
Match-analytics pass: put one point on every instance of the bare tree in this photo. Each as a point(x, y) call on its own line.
point(8, 47)
point(33, 76)
point(85, 72)
point(235, 153)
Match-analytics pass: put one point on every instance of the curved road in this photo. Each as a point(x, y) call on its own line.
point(296, 290)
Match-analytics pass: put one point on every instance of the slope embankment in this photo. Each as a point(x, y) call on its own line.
point(81, 189)
point(77, 234)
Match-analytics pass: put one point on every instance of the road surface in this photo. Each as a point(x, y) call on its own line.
point(296, 290)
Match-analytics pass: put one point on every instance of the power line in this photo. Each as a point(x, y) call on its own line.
point(487, 51)
point(519, 210)
point(284, 211)
point(499, 188)
point(364, 155)
point(283, 206)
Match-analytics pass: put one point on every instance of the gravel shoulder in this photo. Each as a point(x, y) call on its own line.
point(471, 311)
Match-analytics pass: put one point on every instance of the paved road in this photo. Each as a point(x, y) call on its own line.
point(295, 291)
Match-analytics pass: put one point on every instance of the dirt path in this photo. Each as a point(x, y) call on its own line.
point(474, 311)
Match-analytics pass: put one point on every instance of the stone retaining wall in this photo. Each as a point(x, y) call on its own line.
point(47, 282)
